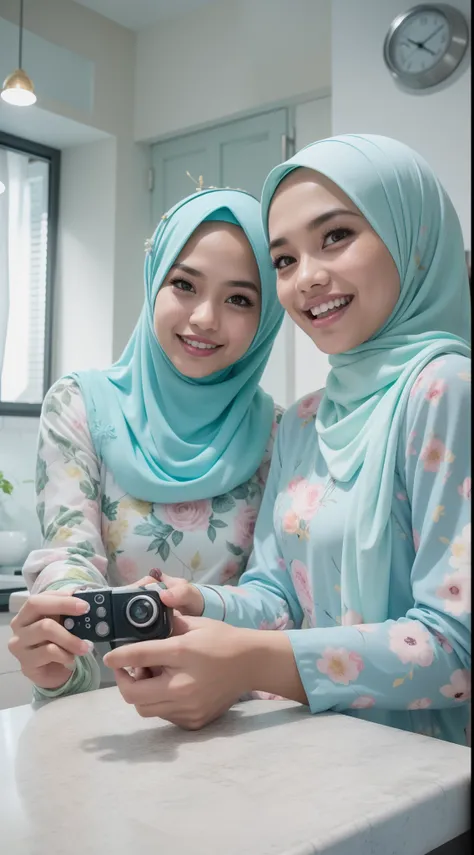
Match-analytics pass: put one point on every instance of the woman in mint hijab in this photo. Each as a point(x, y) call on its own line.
point(363, 537)
point(162, 458)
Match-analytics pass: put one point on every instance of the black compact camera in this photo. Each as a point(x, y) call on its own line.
point(121, 616)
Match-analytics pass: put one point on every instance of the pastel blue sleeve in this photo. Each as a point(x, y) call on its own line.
point(265, 597)
point(422, 660)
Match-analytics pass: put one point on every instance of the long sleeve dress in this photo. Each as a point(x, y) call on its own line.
point(413, 670)
point(95, 535)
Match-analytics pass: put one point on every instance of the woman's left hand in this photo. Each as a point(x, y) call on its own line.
point(202, 670)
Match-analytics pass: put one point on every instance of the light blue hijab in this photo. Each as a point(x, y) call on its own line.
point(360, 417)
point(168, 438)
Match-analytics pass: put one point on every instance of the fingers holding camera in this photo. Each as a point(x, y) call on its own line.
point(177, 594)
point(43, 647)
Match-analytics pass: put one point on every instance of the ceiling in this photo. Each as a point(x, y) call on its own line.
point(137, 14)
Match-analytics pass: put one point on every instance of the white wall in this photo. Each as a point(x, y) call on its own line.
point(229, 58)
point(365, 99)
point(83, 310)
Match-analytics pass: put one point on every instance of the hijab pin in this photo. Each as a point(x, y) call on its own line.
point(149, 245)
point(200, 183)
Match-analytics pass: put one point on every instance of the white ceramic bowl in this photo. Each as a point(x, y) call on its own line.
point(13, 548)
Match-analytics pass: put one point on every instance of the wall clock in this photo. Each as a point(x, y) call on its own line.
point(426, 44)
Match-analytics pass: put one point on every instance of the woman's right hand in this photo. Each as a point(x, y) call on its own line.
point(179, 594)
point(44, 649)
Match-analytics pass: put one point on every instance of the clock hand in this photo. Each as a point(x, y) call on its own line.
point(434, 34)
point(421, 46)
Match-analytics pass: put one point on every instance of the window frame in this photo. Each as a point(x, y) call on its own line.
point(53, 157)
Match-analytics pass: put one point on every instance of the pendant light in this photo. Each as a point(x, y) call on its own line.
point(18, 88)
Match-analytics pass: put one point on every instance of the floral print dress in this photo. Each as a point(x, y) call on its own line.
point(95, 535)
point(413, 670)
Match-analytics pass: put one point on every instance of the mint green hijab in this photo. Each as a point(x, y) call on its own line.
point(360, 417)
point(168, 438)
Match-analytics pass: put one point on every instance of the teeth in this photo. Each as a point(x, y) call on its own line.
point(199, 345)
point(328, 307)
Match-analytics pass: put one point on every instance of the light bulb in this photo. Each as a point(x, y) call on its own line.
point(18, 89)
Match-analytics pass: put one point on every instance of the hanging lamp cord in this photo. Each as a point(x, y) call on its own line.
point(20, 43)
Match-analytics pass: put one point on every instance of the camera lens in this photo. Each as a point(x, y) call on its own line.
point(141, 611)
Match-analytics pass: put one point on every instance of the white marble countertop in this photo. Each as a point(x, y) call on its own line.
point(86, 775)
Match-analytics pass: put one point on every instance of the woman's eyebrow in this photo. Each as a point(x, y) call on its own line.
point(186, 269)
point(318, 221)
point(243, 283)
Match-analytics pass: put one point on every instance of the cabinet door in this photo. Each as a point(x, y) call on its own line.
point(237, 154)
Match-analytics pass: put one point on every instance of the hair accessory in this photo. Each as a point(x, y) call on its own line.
point(201, 186)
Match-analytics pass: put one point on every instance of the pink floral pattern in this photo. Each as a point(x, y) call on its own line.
point(306, 498)
point(419, 704)
point(302, 585)
point(188, 516)
point(459, 686)
point(456, 593)
point(436, 391)
point(461, 551)
point(434, 454)
point(340, 665)
point(465, 489)
point(412, 643)
point(308, 407)
point(291, 523)
point(363, 702)
point(244, 527)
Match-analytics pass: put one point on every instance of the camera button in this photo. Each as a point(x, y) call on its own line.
point(69, 623)
point(99, 599)
point(101, 611)
point(102, 629)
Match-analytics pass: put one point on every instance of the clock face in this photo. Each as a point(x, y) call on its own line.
point(420, 42)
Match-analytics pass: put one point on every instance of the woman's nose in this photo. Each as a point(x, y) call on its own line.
point(311, 274)
point(205, 316)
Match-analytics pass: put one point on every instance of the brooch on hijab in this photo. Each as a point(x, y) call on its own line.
point(200, 186)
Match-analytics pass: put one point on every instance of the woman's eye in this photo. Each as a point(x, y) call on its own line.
point(239, 300)
point(182, 285)
point(335, 236)
point(282, 261)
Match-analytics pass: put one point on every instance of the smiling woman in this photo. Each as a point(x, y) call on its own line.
point(322, 263)
point(362, 550)
point(164, 456)
point(208, 308)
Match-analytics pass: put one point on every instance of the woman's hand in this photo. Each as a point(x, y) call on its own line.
point(43, 647)
point(203, 669)
point(179, 594)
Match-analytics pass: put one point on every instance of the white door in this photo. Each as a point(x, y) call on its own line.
point(237, 154)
